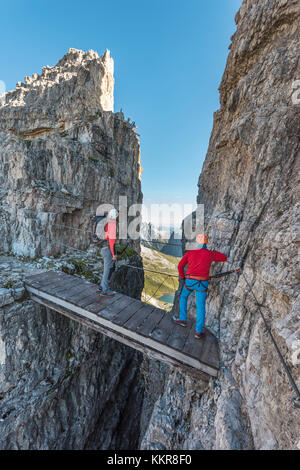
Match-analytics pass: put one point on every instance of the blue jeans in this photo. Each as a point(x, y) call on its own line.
point(108, 264)
point(200, 301)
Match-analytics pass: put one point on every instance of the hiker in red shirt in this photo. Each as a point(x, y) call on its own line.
point(108, 252)
point(196, 279)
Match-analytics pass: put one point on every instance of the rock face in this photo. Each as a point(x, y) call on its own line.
point(248, 186)
point(168, 243)
point(62, 153)
point(62, 386)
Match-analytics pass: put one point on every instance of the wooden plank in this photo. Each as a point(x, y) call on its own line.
point(93, 297)
point(102, 302)
point(193, 345)
point(131, 313)
point(176, 338)
point(148, 326)
point(122, 302)
point(38, 276)
point(59, 277)
point(139, 317)
point(67, 276)
point(179, 334)
point(53, 280)
point(41, 279)
point(210, 353)
point(63, 283)
point(75, 290)
point(203, 348)
point(58, 285)
point(163, 328)
point(131, 335)
point(149, 321)
point(128, 342)
point(190, 340)
point(77, 282)
point(82, 292)
point(113, 307)
point(127, 312)
point(93, 300)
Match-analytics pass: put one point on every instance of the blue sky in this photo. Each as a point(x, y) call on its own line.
point(169, 59)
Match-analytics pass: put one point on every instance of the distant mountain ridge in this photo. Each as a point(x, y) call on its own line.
point(158, 238)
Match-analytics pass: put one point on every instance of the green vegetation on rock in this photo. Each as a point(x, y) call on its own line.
point(159, 284)
point(124, 252)
point(79, 266)
point(9, 283)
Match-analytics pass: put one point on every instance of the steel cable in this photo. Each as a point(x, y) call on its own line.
point(296, 400)
point(284, 364)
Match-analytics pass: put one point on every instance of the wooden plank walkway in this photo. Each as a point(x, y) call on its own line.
point(127, 320)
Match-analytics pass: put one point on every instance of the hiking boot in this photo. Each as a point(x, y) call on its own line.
point(107, 292)
point(178, 321)
point(199, 335)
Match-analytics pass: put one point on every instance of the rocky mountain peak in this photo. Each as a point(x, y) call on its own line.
point(63, 152)
point(78, 84)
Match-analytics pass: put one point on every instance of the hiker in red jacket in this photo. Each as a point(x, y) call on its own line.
point(108, 252)
point(196, 279)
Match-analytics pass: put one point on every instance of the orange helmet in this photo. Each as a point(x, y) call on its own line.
point(201, 238)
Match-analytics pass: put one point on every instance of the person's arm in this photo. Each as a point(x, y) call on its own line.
point(218, 256)
point(181, 265)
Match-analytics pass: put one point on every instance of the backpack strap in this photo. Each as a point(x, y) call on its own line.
point(95, 239)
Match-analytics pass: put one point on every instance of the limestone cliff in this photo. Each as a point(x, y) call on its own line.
point(63, 152)
point(248, 186)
